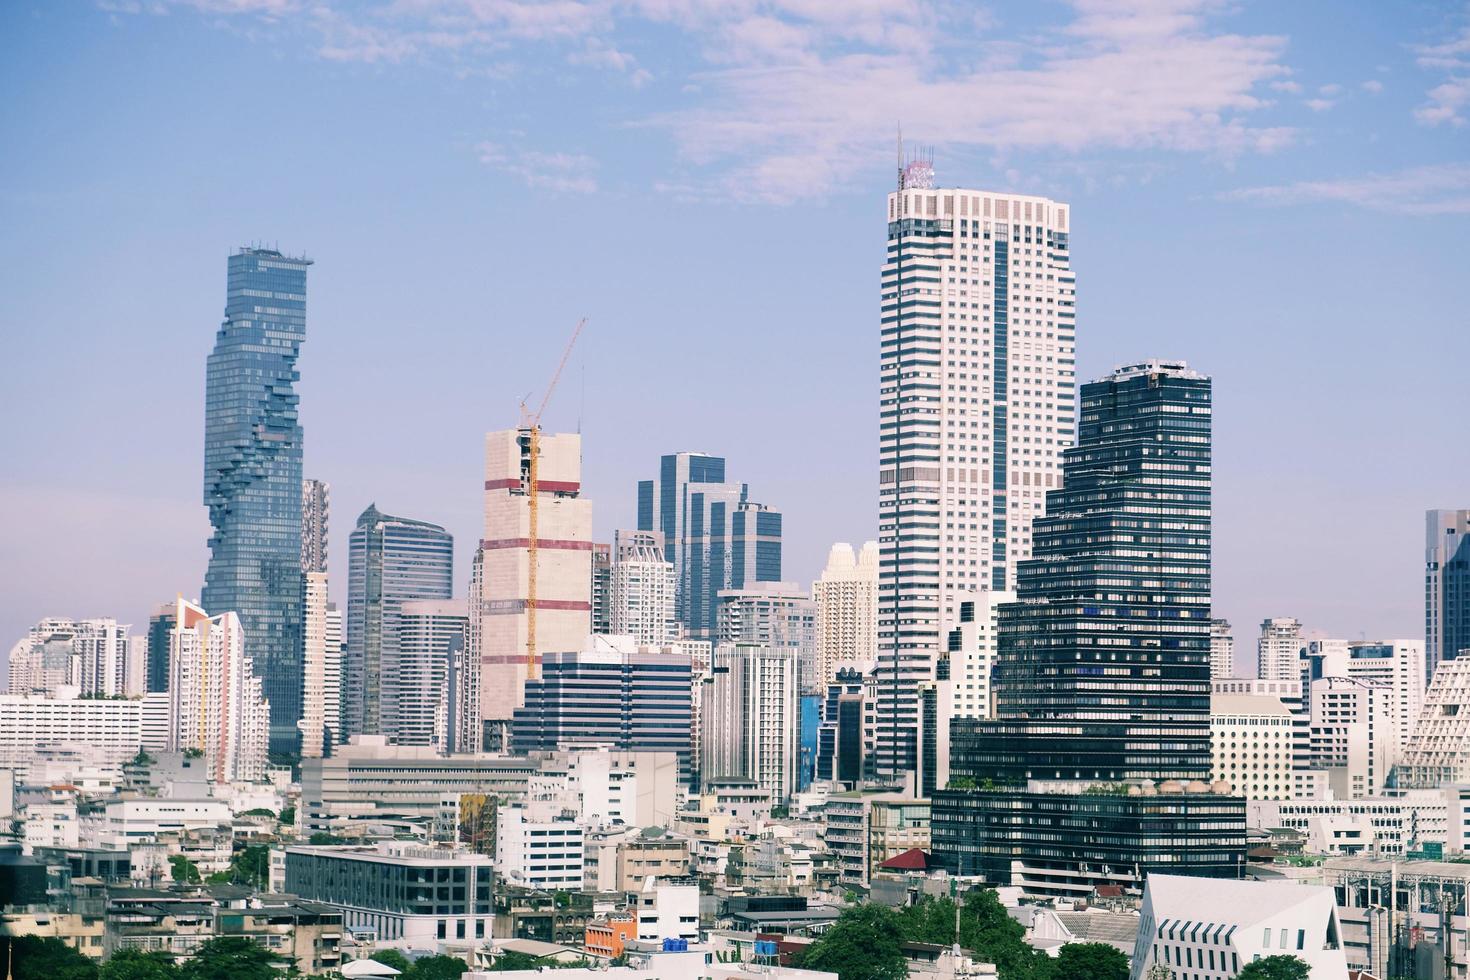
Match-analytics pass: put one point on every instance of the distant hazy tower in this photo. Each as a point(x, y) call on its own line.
point(314, 514)
point(1222, 649)
point(1446, 585)
point(563, 563)
point(430, 634)
point(391, 560)
point(1279, 650)
point(977, 392)
point(602, 558)
point(847, 610)
point(252, 473)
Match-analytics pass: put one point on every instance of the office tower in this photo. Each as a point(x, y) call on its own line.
point(1222, 649)
point(1446, 585)
point(88, 654)
point(160, 628)
point(714, 534)
point(562, 606)
point(216, 702)
point(847, 609)
point(750, 722)
point(1354, 735)
point(390, 561)
point(642, 589)
point(778, 615)
point(611, 692)
point(841, 749)
point(970, 648)
point(430, 637)
point(601, 588)
point(1279, 650)
point(1102, 676)
point(252, 473)
point(336, 652)
point(314, 601)
point(976, 405)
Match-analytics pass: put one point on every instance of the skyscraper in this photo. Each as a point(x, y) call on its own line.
point(390, 561)
point(1279, 650)
point(563, 574)
point(91, 655)
point(215, 695)
point(750, 718)
point(976, 405)
point(1222, 649)
point(642, 589)
point(160, 626)
point(314, 656)
point(430, 637)
point(847, 610)
point(776, 616)
point(1446, 585)
point(1102, 676)
point(716, 537)
point(252, 473)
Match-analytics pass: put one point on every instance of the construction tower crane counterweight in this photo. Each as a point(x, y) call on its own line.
point(533, 490)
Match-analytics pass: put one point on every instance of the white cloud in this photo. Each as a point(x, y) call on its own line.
point(1320, 105)
point(1372, 85)
point(1439, 189)
point(1329, 90)
point(570, 173)
point(1446, 100)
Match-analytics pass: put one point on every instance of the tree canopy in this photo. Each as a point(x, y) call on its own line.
point(232, 957)
point(1090, 961)
point(865, 943)
point(1276, 968)
point(133, 964)
point(37, 958)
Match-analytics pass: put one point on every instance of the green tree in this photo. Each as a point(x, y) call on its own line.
point(436, 968)
point(1276, 968)
point(321, 838)
point(183, 869)
point(863, 944)
point(288, 816)
point(1090, 961)
point(232, 958)
point(132, 964)
point(987, 930)
point(512, 960)
point(930, 921)
point(393, 958)
point(35, 958)
point(251, 865)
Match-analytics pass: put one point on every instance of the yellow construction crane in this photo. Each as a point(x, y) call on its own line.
point(533, 488)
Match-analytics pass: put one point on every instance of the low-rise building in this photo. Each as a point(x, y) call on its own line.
point(1252, 744)
point(649, 853)
point(609, 935)
point(539, 853)
point(668, 908)
point(866, 828)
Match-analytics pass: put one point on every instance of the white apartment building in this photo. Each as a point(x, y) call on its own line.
point(976, 403)
point(430, 633)
point(972, 645)
point(668, 908)
point(846, 597)
point(1396, 664)
point(1222, 649)
point(540, 853)
point(1279, 650)
point(1377, 826)
point(332, 674)
point(125, 822)
point(778, 615)
point(1437, 751)
point(1353, 735)
point(562, 611)
point(1210, 929)
point(101, 731)
point(215, 700)
point(751, 718)
point(1252, 745)
point(92, 655)
point(313, 722)
point(643, 587)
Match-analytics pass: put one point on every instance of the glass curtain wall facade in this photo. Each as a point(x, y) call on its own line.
point(252, 473)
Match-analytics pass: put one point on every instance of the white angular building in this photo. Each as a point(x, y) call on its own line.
point(750, 718)
point(1437, 751)
point(642, 584)
point(506, 650)
point(215, 701)
point(1210, 929)
point(976, 404)
point(846, 596)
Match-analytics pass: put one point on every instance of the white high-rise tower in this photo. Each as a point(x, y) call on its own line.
point(977, 402)
point(847, 610)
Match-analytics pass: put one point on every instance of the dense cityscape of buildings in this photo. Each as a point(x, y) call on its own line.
point(615, 753)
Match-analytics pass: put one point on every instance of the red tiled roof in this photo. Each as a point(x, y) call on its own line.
point(914, 859)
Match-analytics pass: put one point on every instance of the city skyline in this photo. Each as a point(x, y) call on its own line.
point(1300, 367)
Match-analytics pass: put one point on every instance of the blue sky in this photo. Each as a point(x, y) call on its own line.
point(1279, 193)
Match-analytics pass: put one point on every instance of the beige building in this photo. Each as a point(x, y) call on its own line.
point(846, 597)
point(563, 559)
point(1251, 738)
point(650, 854)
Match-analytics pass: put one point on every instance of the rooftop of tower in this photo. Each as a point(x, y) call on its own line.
point(1175, 369)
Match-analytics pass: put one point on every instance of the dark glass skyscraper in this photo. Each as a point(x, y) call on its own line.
point(1099, 754)
point(252, 473)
